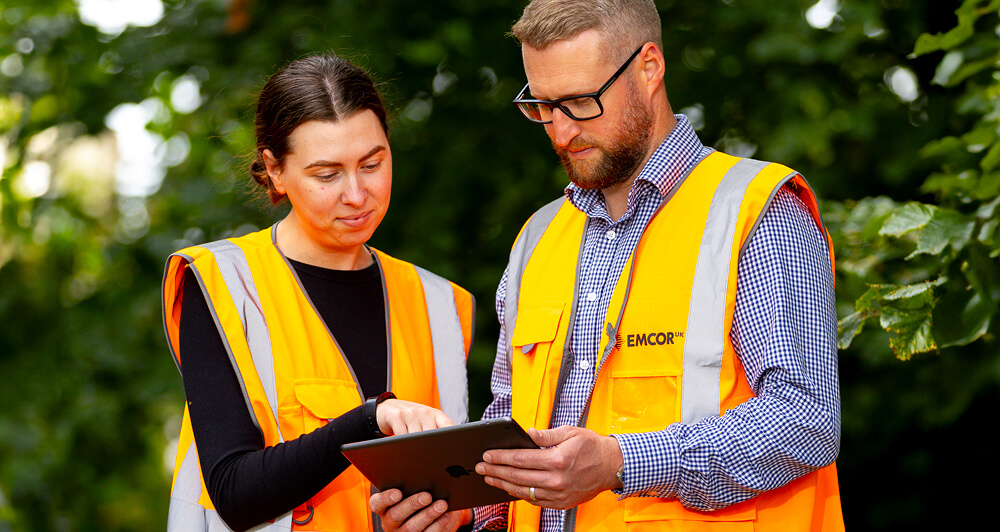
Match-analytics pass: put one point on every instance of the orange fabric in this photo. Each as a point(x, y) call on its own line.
point(313, 380)
point(652, 296)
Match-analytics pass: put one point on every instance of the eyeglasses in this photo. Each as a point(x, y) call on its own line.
point(578, 107)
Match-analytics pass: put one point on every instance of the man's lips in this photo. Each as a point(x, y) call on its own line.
point(577, 151)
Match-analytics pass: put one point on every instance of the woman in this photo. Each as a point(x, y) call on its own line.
point(284, 333)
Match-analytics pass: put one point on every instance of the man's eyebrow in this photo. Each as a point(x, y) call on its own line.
point(335, 164)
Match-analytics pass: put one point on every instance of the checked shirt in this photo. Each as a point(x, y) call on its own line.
point(784, 331)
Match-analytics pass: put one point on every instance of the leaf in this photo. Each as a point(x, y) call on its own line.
point(904, 310)
point(945, 228)
point(962, 71)
point(951, 62)
point(909, 217)
point(992, 158)
point(910, 320)
point(926, 44)
point(968, 13)
point(914, 340)
point(988, 210)
point(850, 327)
point(943, 147)
point(910, 291)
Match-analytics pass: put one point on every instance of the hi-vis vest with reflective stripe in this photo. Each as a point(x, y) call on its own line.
point(293, 374)
point(666, 353)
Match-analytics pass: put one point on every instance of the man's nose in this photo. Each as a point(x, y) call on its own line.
point(564, 128)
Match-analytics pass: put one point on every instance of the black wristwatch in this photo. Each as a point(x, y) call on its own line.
point(371, 405)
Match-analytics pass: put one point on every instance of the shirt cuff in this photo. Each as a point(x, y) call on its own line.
point(492, 517)
point(652, 468)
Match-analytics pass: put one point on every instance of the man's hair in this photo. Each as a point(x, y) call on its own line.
point(625, 24)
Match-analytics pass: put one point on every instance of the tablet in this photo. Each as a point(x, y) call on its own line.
point(441, 461)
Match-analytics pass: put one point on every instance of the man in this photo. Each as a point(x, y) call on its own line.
point(670, 323)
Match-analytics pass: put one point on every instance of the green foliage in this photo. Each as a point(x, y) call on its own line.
point(91, 398)
point(953, 301)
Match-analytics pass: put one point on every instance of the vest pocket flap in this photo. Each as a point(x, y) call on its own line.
point(536, 325)
point(653, 509)
point(326, 398)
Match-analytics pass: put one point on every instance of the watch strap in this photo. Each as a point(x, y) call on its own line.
point(371, 407)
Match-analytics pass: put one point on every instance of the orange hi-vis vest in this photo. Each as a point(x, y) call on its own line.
point(665, 353)
point(295, 377)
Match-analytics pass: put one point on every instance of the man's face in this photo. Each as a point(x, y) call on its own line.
point(607, 150)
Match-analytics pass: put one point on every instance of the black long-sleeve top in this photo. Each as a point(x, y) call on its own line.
point(248, 483)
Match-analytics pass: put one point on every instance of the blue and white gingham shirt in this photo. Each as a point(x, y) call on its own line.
point(784, 331)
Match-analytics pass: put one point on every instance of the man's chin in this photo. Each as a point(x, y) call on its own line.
point(579, 173)
point(592, 179)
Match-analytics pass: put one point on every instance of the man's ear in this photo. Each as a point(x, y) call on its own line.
point(652, 67)
point(273, 171)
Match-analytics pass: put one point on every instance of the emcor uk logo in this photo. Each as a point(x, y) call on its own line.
point(650, 339)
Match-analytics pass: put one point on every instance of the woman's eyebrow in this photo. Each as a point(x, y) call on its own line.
point(325, 163)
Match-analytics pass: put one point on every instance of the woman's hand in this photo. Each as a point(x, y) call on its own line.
point(396, 417)
point(416, 513)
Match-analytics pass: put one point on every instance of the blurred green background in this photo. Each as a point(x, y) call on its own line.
point(125, 128)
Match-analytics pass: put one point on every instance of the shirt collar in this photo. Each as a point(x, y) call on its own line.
point(671, 161)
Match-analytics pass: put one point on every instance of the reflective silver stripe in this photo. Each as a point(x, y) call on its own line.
point(184, 516)
point(185, 512)
point(519, 255)
point(236, 274)
point(705, 337)
point(449, 345)
point(183, 488)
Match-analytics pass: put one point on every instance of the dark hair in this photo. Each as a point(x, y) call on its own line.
point(319, 87)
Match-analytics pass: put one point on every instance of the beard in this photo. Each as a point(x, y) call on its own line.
point(618, 160)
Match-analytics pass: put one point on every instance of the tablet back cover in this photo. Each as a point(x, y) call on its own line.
point(441, 461)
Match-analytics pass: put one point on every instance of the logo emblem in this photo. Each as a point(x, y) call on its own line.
point(653, 338)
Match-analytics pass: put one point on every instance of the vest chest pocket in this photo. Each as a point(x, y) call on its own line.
point(642, 401)
point(316, 401)
point(536, 328)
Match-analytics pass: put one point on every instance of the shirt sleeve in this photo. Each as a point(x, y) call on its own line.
point(494, 517)
point(785, 333)
point(248, 482)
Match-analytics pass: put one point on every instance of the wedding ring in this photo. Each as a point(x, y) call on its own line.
point(531, 493)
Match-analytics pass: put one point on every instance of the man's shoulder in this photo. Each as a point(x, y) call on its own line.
point(544, 215)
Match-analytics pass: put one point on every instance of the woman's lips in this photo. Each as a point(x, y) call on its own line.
point(357, 220)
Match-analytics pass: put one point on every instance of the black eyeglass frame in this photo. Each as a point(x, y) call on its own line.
point(557, 103)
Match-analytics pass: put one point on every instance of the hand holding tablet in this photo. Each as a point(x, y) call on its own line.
point(440, 461)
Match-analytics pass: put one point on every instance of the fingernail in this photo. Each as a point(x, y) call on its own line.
point(480, 469)
point(440, 506)
point(395, 496)
point(489, 480)
point(424, 499)
point(486, 457)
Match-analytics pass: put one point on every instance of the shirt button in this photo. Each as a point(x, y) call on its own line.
point(592, 296)
point(611, 234)
point(584, 364)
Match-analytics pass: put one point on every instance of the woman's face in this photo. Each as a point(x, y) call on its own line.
point(338, 177)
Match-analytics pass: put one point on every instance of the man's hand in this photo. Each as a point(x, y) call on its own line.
point(416, 513)
point(396, 417)
point(573, 466)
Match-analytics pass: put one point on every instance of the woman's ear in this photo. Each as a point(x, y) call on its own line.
point(273, 171)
